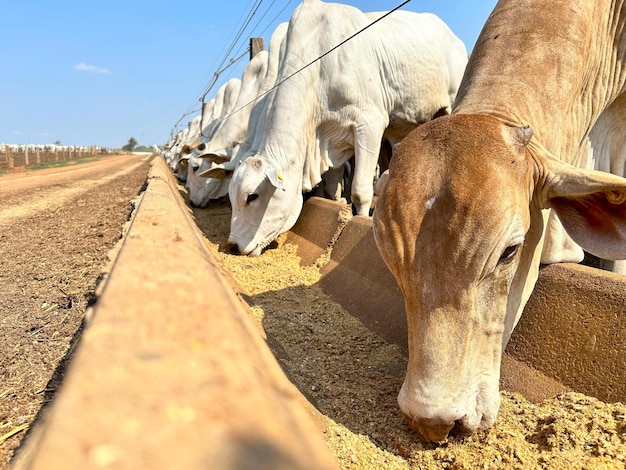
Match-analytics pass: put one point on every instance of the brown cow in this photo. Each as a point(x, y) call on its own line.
point(462, 221)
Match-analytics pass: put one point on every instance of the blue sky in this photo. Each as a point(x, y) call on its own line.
point(96, 72)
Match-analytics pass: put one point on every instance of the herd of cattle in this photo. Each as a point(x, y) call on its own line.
point(313, 113)
point(511, 159)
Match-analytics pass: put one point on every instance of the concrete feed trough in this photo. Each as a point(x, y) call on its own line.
point(168, 375)
point(572, 334)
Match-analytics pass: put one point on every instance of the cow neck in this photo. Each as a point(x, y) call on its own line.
point(232, 129)
point(554, 71)
point(288, 125)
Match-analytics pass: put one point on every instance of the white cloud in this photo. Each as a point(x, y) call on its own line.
point(83, 67)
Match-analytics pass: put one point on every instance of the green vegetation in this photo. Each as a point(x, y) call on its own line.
point(130, 146)
point(61, 163)
point(143, 148)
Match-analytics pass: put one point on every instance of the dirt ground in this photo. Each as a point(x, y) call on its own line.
point(56, 227)
point(55, 233)
point(352, 377)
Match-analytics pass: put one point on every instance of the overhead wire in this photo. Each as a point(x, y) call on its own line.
point(276, 85)
point(230, 49)
point(237, 59)
point(253, 7)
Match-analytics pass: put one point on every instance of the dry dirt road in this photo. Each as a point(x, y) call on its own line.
point(56, 227)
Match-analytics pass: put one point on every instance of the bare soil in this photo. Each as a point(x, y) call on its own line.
point(56, 227)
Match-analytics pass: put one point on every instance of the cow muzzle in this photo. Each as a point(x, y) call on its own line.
point(236, 249)
point(437, 430)
point(233, 248)
point(459, 416)
point(431, 430)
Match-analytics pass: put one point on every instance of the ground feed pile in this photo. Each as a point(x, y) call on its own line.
point(352, 377)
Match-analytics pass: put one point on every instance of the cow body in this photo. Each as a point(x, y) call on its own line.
point(231, 129)
point(463, 220)
point(215, 111)
point(233, 137)
point(383, 82)
point(181, 147)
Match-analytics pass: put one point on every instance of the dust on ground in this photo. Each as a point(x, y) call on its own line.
point(56, 229)
point(352, 377)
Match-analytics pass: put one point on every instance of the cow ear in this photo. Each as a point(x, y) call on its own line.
point(275, 177)
point(213, 172)
point(591, 206)
point(217, 172)
point(214, 158)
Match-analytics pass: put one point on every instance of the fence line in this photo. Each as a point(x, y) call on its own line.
point(18, 158)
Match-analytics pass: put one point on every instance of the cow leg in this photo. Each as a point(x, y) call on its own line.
point(366, 151)
point(332, 183)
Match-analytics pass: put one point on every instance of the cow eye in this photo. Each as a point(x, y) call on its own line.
point(508, 254)
point(251, 197)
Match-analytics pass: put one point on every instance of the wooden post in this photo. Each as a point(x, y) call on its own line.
point(256, 46)
point(26, 155)
point(7, 149)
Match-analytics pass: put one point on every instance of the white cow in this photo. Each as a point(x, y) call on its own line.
point(168, 152)
point(182, 148)
point(400, 72)
point(224, 103)
point(174, 152)
point(461, 222)
point(229, 131)
point(213, 169)
point(209, 116)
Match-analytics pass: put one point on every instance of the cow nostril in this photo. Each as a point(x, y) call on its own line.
point(233, 249)
point(460, 429)
point(431, 430)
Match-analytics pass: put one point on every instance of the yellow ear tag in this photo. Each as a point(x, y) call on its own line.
point(280, 176)
point(616, 197)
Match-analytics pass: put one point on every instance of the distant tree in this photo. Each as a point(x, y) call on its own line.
point(57, 142)
point(132, 143)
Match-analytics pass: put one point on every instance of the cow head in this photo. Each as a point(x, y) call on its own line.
point(460, 226)
point(203, 189)
point(265, 203)
point(181, 168)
